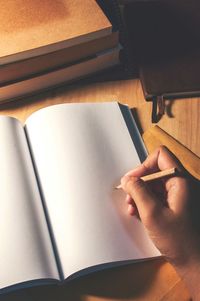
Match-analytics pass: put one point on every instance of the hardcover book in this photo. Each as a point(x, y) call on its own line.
point(29, 29)
point(39, 37)
point(59, 76)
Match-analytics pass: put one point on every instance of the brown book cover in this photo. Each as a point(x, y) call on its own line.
point(32, 27)
point(20, 70)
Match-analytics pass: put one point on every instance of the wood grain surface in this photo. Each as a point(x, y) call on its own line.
point(154, 280)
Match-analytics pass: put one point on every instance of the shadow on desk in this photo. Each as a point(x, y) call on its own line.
point(122, 283)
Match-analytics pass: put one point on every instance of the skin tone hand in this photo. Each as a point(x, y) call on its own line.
point(166, 207)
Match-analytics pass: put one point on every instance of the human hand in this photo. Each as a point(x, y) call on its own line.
point(166, 210)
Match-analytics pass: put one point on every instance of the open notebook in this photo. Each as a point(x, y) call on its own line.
point(60, 216)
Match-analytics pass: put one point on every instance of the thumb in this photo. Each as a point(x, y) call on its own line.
point(147, 203)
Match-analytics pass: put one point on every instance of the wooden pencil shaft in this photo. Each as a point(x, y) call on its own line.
point(157, 175)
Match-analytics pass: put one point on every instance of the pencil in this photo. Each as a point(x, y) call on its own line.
point(157, 175)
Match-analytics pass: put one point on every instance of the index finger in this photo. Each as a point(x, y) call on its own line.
point(160, 159)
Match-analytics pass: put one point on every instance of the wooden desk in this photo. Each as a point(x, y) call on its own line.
point(149, 281)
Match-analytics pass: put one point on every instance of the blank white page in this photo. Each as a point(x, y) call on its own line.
point(81, 151)
point(26, 251)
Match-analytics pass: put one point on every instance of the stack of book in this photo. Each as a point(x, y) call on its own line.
point(44, 44)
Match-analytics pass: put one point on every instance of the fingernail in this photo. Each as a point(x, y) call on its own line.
point(129, 173)
point(124, 179)
point(131, 210)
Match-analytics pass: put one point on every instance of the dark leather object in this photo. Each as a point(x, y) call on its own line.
point(165, 41)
